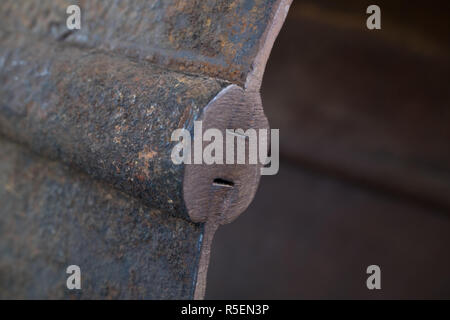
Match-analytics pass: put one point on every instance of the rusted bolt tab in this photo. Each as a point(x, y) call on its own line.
point(216, 194)
point(222, 191)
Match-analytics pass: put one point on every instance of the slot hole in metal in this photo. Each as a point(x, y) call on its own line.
point(223, 183)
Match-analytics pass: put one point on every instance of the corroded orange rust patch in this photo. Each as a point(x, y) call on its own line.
point(147, 154)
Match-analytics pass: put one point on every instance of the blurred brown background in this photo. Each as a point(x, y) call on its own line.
point(364, 119)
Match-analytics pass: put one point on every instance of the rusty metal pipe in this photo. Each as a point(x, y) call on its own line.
point(102, 103)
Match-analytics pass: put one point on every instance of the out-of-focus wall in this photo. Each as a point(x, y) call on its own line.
point(364, 119)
